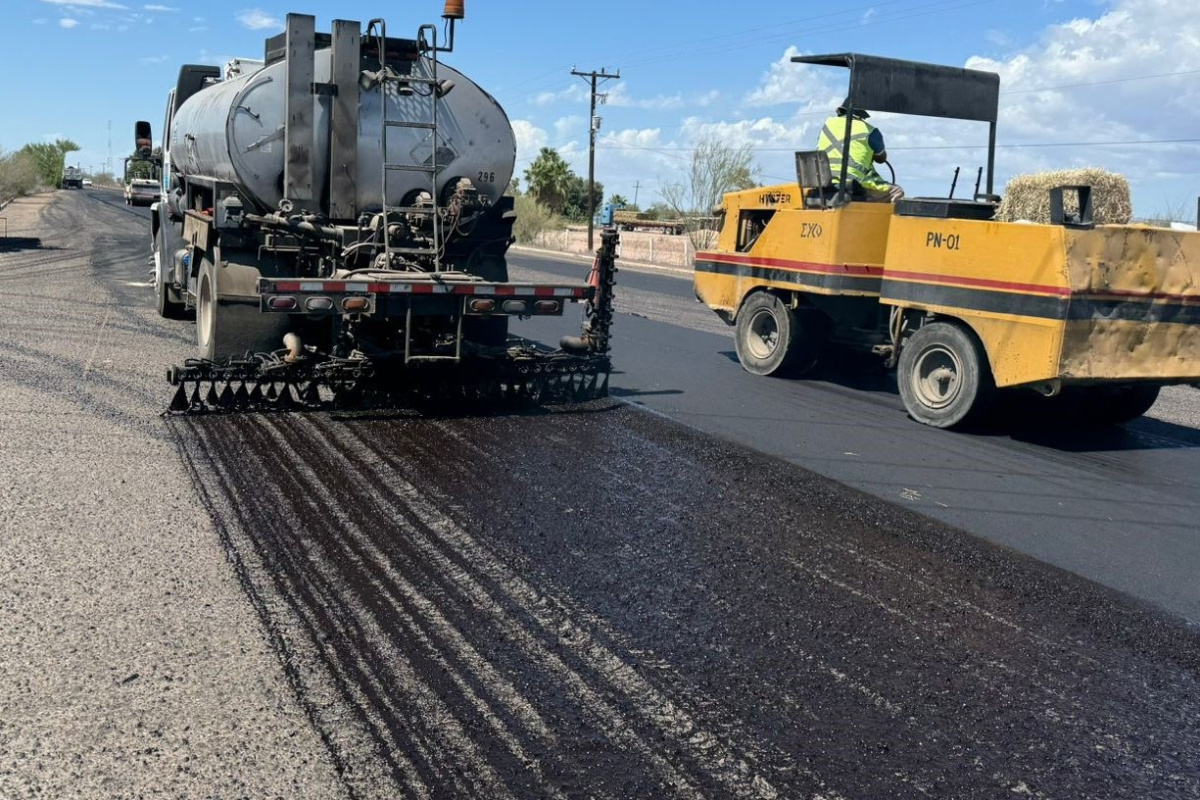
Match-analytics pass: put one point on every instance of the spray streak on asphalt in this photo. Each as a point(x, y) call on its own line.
point(596, 602)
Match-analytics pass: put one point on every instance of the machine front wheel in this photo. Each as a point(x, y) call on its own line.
point(943, 376)
point(773, 339)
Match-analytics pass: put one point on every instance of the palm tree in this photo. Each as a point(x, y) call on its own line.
point(548, 179)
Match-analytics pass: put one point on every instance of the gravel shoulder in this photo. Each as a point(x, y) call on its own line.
point(130, 663)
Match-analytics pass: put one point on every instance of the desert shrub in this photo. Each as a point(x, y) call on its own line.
point(533, 219)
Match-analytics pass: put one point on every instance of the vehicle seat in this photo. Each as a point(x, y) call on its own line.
point(816, 180)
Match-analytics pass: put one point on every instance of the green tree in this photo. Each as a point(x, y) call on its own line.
point(514, 187)
point(619, 200)
point(50, 157)
point(576, 207)
point(18, 175)
point(548, 179)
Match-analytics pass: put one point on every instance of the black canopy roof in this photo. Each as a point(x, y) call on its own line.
point(912, 87)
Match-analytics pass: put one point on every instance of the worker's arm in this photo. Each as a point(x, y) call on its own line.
point(875, 142)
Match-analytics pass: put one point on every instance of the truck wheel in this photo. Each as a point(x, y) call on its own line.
point(944, 376)
point(168, 308)
point(231, 329)
point(163, 269)
point(772, 339)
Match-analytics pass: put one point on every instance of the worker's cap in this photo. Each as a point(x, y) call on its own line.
point(858, 112)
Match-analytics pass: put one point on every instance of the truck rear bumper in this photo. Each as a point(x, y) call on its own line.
point(421, 294)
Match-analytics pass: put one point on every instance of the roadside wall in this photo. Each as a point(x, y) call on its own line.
point(651, 248)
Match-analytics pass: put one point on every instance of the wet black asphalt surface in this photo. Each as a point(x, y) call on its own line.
point(1119, 505)
point(600, 603)
point(597, 601)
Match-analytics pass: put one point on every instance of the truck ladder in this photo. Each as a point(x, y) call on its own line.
point(418, 86)
point(425, 86)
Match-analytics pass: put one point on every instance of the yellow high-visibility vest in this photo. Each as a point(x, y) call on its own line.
point(862, 158)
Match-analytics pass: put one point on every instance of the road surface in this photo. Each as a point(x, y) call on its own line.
point(598, 601)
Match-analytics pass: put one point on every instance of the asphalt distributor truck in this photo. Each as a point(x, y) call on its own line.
point(335, 219)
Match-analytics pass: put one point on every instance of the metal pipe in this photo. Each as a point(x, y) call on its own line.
point(991, 166)
point(845, 156)
point(276, 221)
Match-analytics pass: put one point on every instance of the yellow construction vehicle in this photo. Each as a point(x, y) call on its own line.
point(960, 304)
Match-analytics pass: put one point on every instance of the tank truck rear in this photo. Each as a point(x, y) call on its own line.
point(335, 218)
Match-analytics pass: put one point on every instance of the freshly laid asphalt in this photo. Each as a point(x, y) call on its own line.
point(597, 600)
point(1119, 505)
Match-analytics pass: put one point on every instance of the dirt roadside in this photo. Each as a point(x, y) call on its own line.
point(130, 663)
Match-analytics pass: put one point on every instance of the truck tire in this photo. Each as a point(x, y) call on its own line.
point(231, 328)
point(168, 307)
point(772, 339)
point(943, 375)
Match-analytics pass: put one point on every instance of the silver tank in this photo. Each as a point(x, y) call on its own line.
point(233, 132)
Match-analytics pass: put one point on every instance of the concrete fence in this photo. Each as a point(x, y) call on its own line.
point(652, 248)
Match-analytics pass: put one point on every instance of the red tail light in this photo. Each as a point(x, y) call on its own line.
point(546, 306)
point(482, 305)
point(356, 304)
point(282, 303)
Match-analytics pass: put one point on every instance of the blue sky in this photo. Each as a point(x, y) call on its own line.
point(1108, 83)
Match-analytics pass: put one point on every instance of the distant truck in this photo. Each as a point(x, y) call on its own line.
point(142, 192)
point(611, 214)
point(72, 178)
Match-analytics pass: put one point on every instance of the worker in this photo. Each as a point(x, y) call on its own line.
point(866, 150)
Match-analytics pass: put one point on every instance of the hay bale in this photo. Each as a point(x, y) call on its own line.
point(1027, 197)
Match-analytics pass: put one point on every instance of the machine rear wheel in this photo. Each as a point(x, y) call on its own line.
point(943, 376)
point(773, 339)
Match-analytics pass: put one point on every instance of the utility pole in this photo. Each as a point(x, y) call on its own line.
point(636, 185)
point(593, 126)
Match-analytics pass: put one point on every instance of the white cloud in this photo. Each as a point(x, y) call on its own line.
point(68, 23)
point(256, 19)
point(158, 8)
point(566, 127)
point(154, 59)
point(1073, 87)
point(530, 139)
point(571, 94)
point(40, 21)
point(815, 89)
point(620, 97)
point(85, 3)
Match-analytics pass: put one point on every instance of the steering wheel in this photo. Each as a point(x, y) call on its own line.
point(892, 171)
